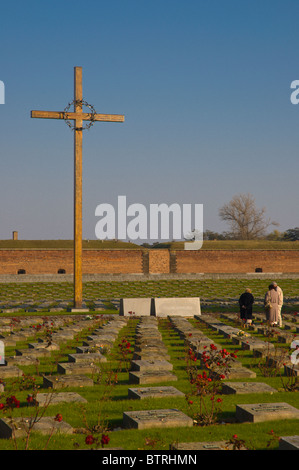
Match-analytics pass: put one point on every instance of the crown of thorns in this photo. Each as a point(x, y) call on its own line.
point(80, 103)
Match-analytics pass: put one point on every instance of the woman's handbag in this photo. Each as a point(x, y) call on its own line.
point(268, 305)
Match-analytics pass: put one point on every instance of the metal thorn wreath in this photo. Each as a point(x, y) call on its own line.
point(82, 103)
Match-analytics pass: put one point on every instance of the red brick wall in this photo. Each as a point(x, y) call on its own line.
point(237, 261)
point(158, 261)
point(131, 261)
point(49, 261)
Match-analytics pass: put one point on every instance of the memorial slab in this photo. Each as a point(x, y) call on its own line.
point(87, 357)
point(47, 399)
point(259, 412)
point(172, 306)
point(150, 365)
point(289, 443)
point(62, 381)
point(135, 307)
point(156, 419)
point(149, 377)
point(246, 387)
point(142, 393)
point(19, 427)
point(77, 368)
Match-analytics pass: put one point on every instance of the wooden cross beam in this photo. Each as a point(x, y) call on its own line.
point(78, 117)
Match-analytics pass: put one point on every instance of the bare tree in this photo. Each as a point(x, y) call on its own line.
point(246, 221)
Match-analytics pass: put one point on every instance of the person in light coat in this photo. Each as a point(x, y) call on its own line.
point(280, 301)
point(271, 305)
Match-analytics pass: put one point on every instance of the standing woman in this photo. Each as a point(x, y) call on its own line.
point(271, 305)
point(245, 302)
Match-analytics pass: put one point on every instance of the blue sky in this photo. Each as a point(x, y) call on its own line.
point(205, 90)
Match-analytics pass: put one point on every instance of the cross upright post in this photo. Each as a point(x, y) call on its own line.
point(78, 139)
point(78, 117)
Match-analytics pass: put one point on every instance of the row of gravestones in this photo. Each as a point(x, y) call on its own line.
point(274, 356)
point(198, 342)
point(150, 364)
point(70, 374)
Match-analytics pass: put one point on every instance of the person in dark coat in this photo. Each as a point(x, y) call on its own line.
point(246, 301)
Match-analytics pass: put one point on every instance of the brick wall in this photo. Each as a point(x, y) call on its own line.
point(237, 261)
point(50, 261)
point(158, 261)
point(152, 261)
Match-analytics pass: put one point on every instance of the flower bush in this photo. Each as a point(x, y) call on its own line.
point(207, 384)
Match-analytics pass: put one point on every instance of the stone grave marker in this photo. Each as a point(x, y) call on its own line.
point(146, 419)
point(87, 357)
point(47, 399)
point(214, 445)
point(10, 371)
point(142, 393)
point(151, 376)
point(151, 365)
point(135, 307)
point(259, 412)
point(18, 427)
point(289, 443)
point(62, 381)
point(173, 306)
point(246, 387)
point(77, 368)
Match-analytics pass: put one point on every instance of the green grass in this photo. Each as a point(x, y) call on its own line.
point(175, 245)
point(66, 245)
point(256, 435)
point(218, 290)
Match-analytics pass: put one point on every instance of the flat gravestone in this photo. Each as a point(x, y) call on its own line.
point(44, 345)
point(150, 365)
point(251, 344)
point(152, 355)
point(172, 306)
point(62, 381)
point(237, 372)
point(246, 387)
point(259, 412)
point(154, 392)
point(289, 443)
point(77, 368)
point(19, 427)
point(60, 397)
point(10, 371)
point(156, 419)
point(214, 445)
point(34, 353)
point(149, 377)
point(135, 307)
point(21, 360)
point(87, 357)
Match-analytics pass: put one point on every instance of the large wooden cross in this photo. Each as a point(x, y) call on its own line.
point(78, 117)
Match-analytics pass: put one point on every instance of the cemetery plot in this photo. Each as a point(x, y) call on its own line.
point(19, 427)
point(46, 399)
point(154, 392)
point(152, 361)
point(156, 419)
point(259, 412)
point(246, 387)
point(289, 443)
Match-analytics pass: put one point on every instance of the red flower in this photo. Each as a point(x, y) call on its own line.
point(105, 439)
point(89, 439)
point(58, 417)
